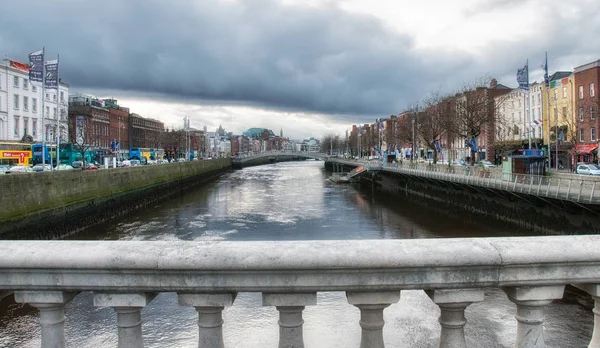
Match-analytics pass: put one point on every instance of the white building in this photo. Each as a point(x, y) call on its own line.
point(533, 120)
point(520, 114)
point(21, 111)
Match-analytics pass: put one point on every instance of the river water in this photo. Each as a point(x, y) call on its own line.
point(292, 201)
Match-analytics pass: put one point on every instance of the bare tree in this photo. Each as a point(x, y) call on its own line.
point(404, 130)
point(84, 136)
point(174, 142)
point(434, 120)
point(476, 110)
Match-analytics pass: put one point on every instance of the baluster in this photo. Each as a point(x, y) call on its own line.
point(371, 305)
point(531, 302)
point(594, 291)
point(452, 305)
point(290, 307)
point(51, 305)
point(128, 307)
point(210, 319)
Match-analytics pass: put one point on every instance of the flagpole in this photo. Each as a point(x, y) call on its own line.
point(547, 83)
point(528, 105)
point(57, 112)
point(43, 110)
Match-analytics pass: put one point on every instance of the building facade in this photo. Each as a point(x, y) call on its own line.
point(586, 79)
point(119, 128)
point(145, 132)
point(89, 126)
point(22, 109)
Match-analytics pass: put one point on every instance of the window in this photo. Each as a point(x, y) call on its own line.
point(25, 124)
point(564, 92)
point(581, 135)
point(53, 96)
point(555, 114)
point(581, 114)
point(592, 112)
point(33, 88)
point(54, 112)
point(34, 105)
point(25, 103)
point(592, 90)
point(47, 96)
point(62, 96)
point(593, 134)
point(25, 84)
point(34, 127)
point(564, 112)
point(540, 113)
point(16, 81)
point(16, 102)
point(555, 94)
point(580, 92)
point(539, 98)
point(16, 127)
point(47, 111)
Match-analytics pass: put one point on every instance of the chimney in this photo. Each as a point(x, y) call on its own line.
point(493, 83)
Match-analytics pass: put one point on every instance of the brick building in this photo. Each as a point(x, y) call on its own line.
point(119, 127)
point(89, 125)
point(145, 132)
point(586, 105)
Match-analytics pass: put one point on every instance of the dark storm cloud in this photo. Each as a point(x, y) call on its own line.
point(260, 52)
point(257, 53)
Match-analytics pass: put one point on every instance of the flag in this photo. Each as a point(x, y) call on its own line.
point(545, 67)
point(437, 146)
point(36, 66)
point(523, 77)
point(19, 66)
point(473, 144)
point(51, 80)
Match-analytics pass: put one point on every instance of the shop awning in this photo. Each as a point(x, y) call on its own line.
point(585, 149)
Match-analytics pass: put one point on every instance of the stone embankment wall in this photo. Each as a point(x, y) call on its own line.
point(56, 204)
point(239, 164)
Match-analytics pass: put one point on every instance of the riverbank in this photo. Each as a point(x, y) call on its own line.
point(57, 204)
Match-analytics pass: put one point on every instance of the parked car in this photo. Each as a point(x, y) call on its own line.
point(588, 169)
point(77, 164)
point(19, 169)
point(89, 166)
point(135, 163)
point(485, 164)
point(3, 169)
point(181, 159)
point(460, 163)
point(41, 167)
point(63, 167)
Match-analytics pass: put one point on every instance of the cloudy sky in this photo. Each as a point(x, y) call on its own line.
point(307, 66)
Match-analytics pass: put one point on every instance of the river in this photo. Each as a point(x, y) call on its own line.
point(292, 201)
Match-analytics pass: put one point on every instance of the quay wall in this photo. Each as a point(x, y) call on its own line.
point(56, 204)
point(541, 215)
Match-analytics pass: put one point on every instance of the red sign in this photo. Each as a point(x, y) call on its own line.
point(18, 154)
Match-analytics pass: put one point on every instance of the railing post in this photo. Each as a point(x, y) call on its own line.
point(539, 184)
point(371, 305)
point(129, 317)
point(452, 305)
point(580, 189)
point(548, 187)
point(558, 188)
point(210, 319)
point(290, 307)
point(531, 302)
point(51, 305)
point(530, 183)
point(592, 193)
point(594, 291)
point(569, 189)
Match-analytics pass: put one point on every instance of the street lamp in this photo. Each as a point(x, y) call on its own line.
point(413, 116)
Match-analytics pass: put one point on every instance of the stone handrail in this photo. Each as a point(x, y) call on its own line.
point(580, 190)
point(126, 275)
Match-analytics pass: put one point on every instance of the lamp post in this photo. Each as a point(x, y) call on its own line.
point(413, 116)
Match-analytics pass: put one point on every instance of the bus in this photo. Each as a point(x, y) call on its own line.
point(142, 154)
point(36, 153)
point(14, 153)
point(68, 154)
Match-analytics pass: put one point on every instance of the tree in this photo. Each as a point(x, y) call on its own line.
point(404, 128)
point(476, 110)
point(84, 136)
point(434, 120)
point(174, 142)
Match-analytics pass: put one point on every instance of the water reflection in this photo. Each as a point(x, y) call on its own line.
point(291, 201)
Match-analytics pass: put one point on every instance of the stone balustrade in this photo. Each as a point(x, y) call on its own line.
point(127, 275)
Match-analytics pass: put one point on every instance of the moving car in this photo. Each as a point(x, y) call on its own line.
point(41, 167)
point(588, 169)
point(63, 167)
point(485, 164)
point(3, 169)
point(77, 164)
point(19, 169)
point(89, 166)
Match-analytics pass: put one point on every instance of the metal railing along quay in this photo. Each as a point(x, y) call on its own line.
point(584, 190)
point(127, 275)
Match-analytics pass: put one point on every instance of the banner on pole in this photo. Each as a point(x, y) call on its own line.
point(523, 77)
point(51, 80)
point(36, 66)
